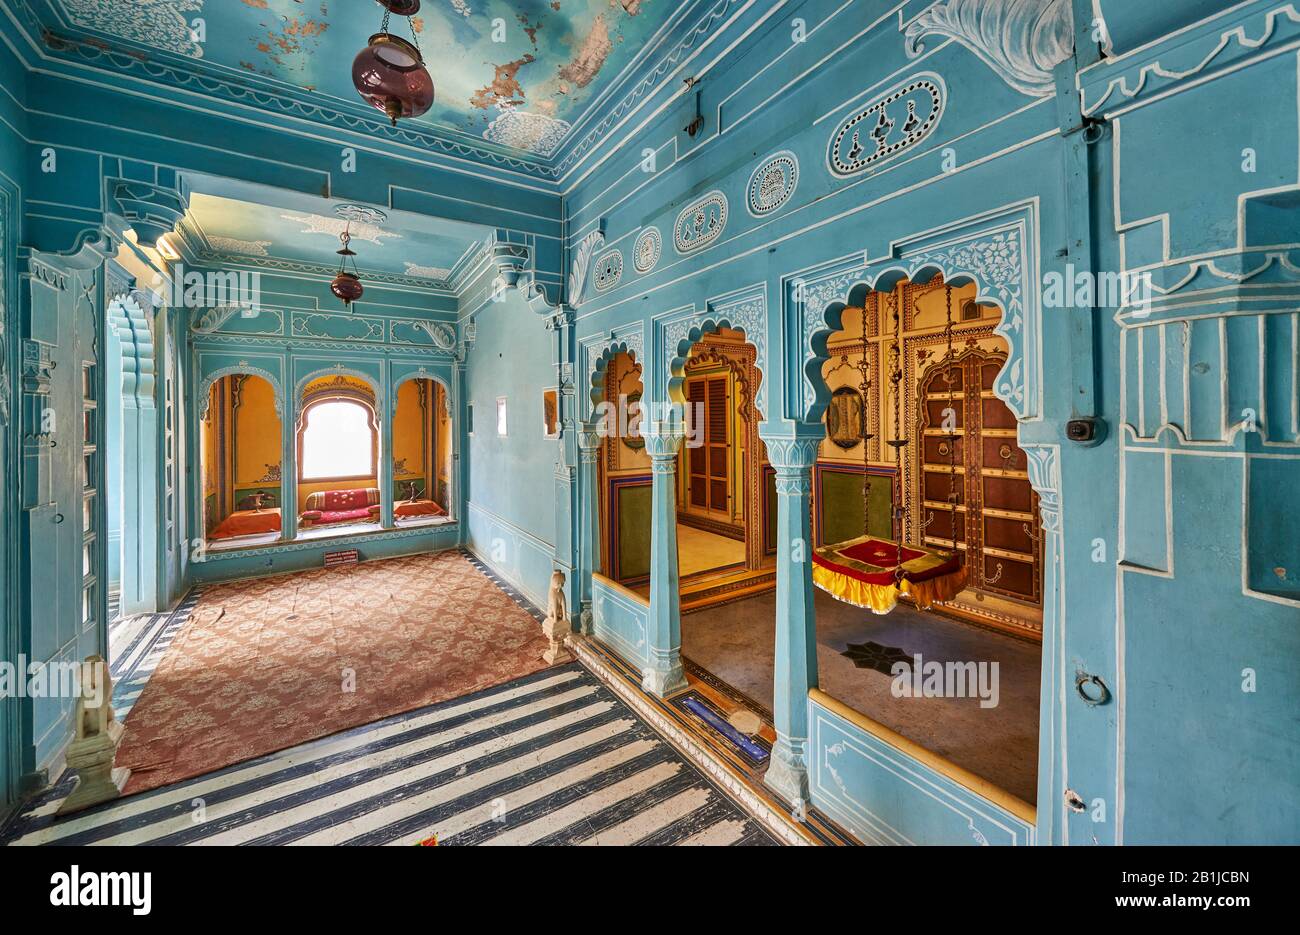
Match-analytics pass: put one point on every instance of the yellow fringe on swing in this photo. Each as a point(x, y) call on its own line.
point(882, 598)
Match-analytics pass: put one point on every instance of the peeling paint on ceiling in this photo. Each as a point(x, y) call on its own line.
point(519, 74)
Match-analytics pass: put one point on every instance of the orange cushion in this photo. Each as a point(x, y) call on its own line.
point(248, 523)
point(418, 508)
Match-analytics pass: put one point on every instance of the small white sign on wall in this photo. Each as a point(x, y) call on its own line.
point(501, 416)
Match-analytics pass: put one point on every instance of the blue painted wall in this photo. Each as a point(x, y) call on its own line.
point(13, 170)
point(1171, 544)
point(510, 504)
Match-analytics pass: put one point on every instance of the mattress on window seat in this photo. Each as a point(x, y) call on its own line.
point(418, 508)
point(247, 523)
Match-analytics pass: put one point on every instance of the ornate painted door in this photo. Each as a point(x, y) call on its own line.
point(978, 490)
point(63, 516)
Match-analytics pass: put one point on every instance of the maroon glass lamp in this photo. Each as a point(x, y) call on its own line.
point(389, 72)
point(347, 285)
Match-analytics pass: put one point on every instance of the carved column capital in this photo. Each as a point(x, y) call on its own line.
point(663, 442)
point(589, 437)
point(794, 454)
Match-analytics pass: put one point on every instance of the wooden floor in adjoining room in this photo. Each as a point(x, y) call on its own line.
point(551, 758)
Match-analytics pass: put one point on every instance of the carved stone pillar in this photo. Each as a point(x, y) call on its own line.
point(796, 622)
point(663, 674)
point(589, 519)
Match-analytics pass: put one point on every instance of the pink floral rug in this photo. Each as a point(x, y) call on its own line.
point(263, 665)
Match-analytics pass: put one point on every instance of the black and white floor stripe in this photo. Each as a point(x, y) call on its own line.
point(553, 758)
point(137, 645)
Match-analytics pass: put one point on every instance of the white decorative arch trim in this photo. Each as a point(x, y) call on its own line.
point(599, 350)
point(335, 371)
point(997, 251)
point(427, 375)
point(744, 310)
point(240, 369)
point(135, 334)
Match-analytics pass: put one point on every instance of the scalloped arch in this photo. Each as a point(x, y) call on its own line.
point(417, 375)
point(678, 344)
point(997, 259)
point(139, 366)
point(600, 364)
point(205, 387)
point(301, 385)
point(831, 320)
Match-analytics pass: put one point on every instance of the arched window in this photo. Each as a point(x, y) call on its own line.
point(338, 441)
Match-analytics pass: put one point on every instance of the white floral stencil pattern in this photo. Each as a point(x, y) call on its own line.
point(158, 23)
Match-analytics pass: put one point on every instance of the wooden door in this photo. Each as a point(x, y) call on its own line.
point(708, 462)
point(977, 489)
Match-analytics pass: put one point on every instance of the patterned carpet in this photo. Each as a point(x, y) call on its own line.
point(263, 665)
point(551, 758)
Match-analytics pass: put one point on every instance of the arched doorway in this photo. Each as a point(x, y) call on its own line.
point(130, 447)
point(239, 444)
point(942, 471)
point(423, 453)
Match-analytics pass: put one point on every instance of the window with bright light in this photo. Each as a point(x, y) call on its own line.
point(338, 442)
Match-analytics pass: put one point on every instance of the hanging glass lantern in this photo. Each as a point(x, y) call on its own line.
point(390, 72)
point(347, 285)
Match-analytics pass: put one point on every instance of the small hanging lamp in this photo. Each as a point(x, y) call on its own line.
point(347, 285)
point(389, 72)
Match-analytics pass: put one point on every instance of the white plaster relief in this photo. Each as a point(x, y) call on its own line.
point(1021, 40)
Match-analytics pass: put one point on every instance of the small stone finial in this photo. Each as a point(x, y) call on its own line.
point(557, 624)
point(94, 746)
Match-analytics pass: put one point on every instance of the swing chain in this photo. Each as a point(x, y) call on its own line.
point(902, 515)
point(865, 389)
point(952, 414)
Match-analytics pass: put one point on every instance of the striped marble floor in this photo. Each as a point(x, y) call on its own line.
point(552, 758)
point(136, 645)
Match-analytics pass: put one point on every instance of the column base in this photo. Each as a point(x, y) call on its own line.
point(663, 682)
point(787, 775)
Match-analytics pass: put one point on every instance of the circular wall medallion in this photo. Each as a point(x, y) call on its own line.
point(773, 183)
point(645, 254)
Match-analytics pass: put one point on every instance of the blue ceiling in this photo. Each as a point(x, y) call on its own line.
point(231, 221)
point(517, 74)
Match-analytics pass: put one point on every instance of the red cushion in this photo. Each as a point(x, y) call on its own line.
point(346, 500)
point(343, 516)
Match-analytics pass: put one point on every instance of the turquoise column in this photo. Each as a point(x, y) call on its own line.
point(588, 519)
point(663, 675)
point(386, 404)
point(796, 622)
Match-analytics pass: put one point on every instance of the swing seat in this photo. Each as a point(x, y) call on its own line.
point(861, 572)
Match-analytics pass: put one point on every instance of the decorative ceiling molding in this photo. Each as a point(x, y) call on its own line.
point(560, 154)
point(1021, 40)
point(713, 20)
